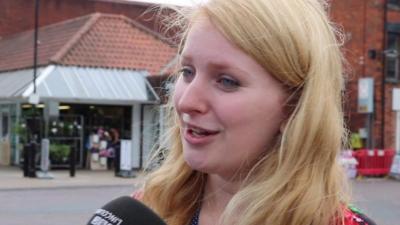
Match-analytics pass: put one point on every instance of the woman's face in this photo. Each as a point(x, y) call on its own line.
point(230, 108)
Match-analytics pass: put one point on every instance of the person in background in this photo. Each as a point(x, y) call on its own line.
point(256, 121)
point(113, 148)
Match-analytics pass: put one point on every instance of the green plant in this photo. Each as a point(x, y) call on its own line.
point(59, 152)
point(20, 130)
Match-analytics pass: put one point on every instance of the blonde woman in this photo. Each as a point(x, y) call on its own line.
point(256, 119)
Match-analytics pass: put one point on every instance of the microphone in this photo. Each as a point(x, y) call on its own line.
point(125, 211)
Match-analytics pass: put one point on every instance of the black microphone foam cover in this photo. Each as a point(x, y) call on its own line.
point(125, 211)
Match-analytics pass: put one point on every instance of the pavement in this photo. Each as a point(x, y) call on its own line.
point(11, 178)
point(379, 198)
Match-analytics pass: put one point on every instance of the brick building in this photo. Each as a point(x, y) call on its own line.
point(371, 43)
point(92, 78)
point(372, 29)
point(18, 15)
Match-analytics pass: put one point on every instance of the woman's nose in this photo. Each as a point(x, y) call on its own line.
point(192, 97)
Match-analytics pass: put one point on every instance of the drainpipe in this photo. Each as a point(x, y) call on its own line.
point(370, 116)
point(383, 85)
point(35, 45)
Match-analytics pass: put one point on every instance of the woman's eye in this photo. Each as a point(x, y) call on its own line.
point(228, 83)
point(187, 73)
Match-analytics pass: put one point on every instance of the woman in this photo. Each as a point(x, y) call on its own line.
point(256, 119)
point(113, 150)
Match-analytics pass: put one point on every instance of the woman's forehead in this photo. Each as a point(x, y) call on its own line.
point(203, 36)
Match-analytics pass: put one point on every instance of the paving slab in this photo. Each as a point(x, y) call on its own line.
point(12, 178)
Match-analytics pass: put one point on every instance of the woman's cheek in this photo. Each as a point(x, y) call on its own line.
point(177, 93)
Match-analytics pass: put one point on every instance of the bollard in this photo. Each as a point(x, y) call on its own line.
point(117, 161)
point(26, 161)
point(29, 160)
point(44, 160)
point(32, 160)
point(72, 162)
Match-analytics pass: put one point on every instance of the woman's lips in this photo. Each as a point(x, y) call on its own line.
point(198, 136)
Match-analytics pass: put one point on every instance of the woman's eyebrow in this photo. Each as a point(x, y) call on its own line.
point(185, 58)
point(223, 65)
point(215, 64)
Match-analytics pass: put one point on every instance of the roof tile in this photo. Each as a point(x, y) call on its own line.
point(96, 40)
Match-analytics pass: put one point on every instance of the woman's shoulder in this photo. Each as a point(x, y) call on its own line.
point(353, 216)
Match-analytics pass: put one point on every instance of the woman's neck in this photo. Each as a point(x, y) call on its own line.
point(217, 194)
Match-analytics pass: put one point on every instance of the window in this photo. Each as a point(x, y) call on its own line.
point(5, 124)
point(394, 3)
point(392, 57)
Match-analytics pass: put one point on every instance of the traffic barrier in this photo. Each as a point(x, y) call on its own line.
point(374, 162)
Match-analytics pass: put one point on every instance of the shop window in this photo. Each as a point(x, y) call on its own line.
point(394, 4)
point(5, 125)
point(392, 58)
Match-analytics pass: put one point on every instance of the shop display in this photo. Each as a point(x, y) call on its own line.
point(102, 146)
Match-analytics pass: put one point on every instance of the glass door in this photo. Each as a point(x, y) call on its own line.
point(5, 148)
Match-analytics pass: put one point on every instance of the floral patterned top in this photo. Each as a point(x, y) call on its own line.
point(352, 216)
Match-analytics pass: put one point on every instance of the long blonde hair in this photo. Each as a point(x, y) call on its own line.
point(299, 181)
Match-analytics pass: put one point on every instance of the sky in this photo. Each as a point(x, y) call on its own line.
point(173, 2)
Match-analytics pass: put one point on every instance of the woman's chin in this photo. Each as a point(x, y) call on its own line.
point(197, 164)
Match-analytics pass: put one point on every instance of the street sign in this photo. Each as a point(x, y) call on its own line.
point(126, 155)
point(365, 95)
point(34, 99)
point(395, 168)
point(396, 99)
